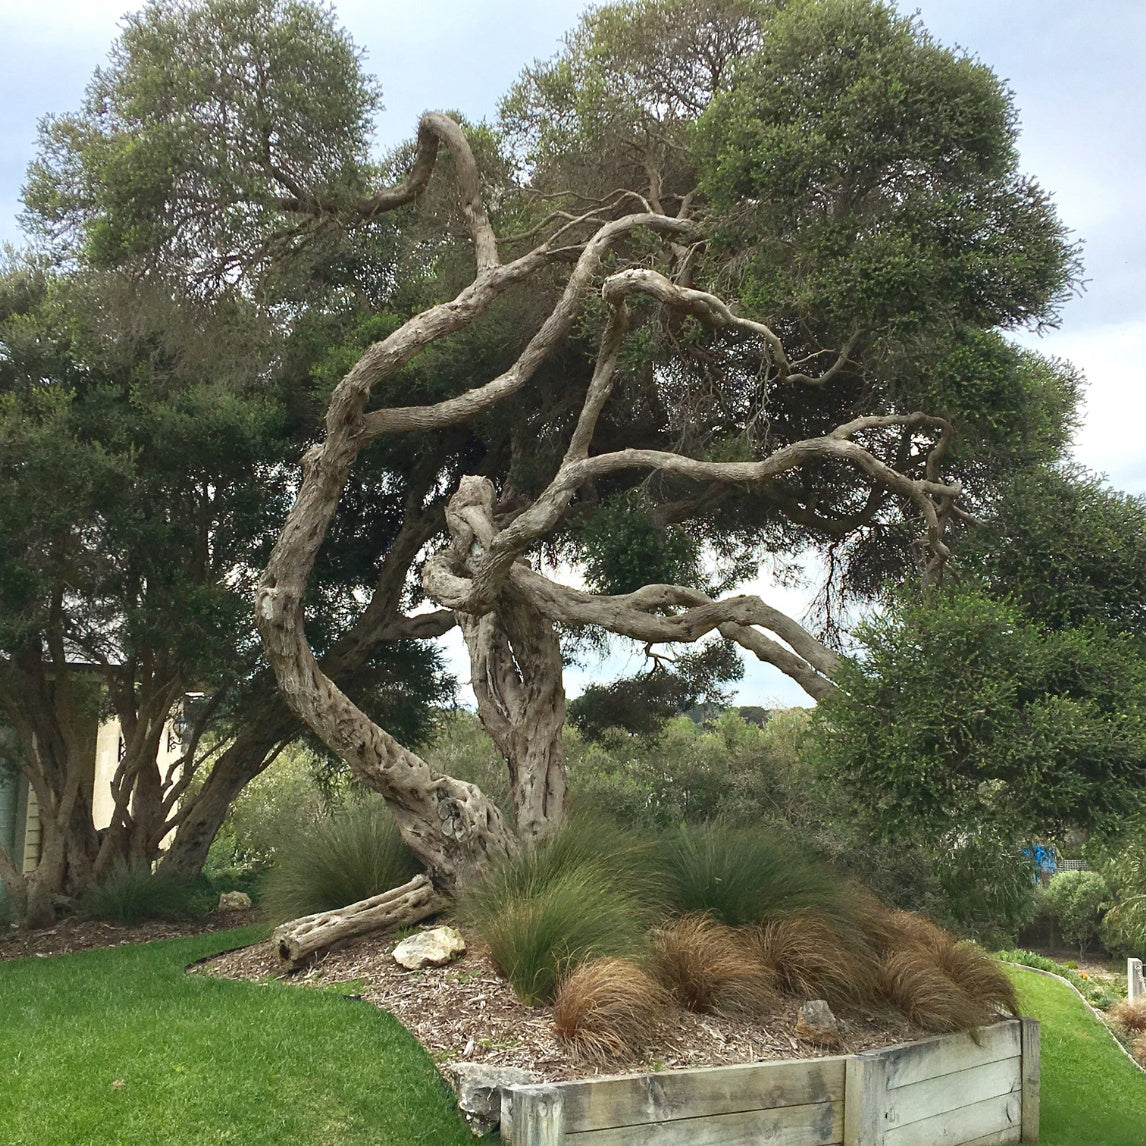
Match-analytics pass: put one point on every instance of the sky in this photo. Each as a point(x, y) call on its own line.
point(1075, 70)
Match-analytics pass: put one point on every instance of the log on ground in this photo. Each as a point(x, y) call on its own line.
point(401, 906)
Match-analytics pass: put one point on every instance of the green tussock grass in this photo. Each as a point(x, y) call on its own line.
point(121, 1046)
point(132, 892)
point(353, 855)
point(741, 877)
point(1091, 1095)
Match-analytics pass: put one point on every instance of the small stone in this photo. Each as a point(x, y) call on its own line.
point(478, 1087)
point(433, 948)
point(817, 1024)
point(234, 901)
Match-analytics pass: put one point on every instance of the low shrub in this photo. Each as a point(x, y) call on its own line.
point(709, 966)
point(130, 892)
point(352, 855)
point(608, 1008)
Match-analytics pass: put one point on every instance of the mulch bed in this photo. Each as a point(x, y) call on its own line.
point(465, 1012)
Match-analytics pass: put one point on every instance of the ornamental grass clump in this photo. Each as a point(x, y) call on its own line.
point(609, 1008)
point(131, 892)
point(353, 855)
point(742, 878)
point(811, 957)
point(711, 967)
point(938, 982)
point(587, 892)
point(911, 982)
point(1130, 1015)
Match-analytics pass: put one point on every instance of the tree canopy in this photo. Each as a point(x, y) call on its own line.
point(726, 282)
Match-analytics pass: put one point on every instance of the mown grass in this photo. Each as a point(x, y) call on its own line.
point(121, 1046)
point(1091, 1095)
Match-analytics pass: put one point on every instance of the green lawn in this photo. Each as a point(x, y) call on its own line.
point(1091, 1094)
point(120, 1046)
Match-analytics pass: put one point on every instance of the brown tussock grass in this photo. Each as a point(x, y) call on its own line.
point(1131, 1015)
point(980, 977)
point(609, 1008)
point(710, 967)
point(1138, 1050)
point(913, 983)
point(811, 958)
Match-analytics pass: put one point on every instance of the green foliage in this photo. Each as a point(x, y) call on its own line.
point(987, 885)
point(1067, 548)
point(742, 877)
point(877, 174)
point(731, 769)
point(1123, 929)
point(625, 549)
point(131, 893)
point(963, 714)
point(352, 855)
point(1077, 900)
point(208, 117)
point(588, 891)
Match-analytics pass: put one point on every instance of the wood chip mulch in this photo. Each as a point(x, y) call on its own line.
point(465, 1012)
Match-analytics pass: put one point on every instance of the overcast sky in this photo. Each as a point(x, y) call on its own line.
point(1075, 69)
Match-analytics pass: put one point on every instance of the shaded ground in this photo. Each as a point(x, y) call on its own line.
point(85, 934)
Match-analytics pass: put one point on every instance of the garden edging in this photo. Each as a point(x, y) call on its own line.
point(969, 1089)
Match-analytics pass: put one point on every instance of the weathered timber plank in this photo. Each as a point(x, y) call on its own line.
point(1031, 1076)
point(532, 1116)
point(945, 1054)
point(955, 1127)
point(816, 1124)
point(865, 1099)
point(665, 1095)
point(934, 1096)
point(1002, 1138)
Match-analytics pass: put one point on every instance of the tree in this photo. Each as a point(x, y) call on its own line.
point(966, 716)
point(625, 312)
point(148, 424)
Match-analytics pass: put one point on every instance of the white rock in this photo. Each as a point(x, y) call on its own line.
point(234, 901)
point(433, 948)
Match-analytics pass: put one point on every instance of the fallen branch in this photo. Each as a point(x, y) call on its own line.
point(399, 907)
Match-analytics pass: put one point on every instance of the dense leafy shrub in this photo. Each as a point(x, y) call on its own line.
point(131, 893)
point(1123, 928)
point(351, 855)
point(1078, 900)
